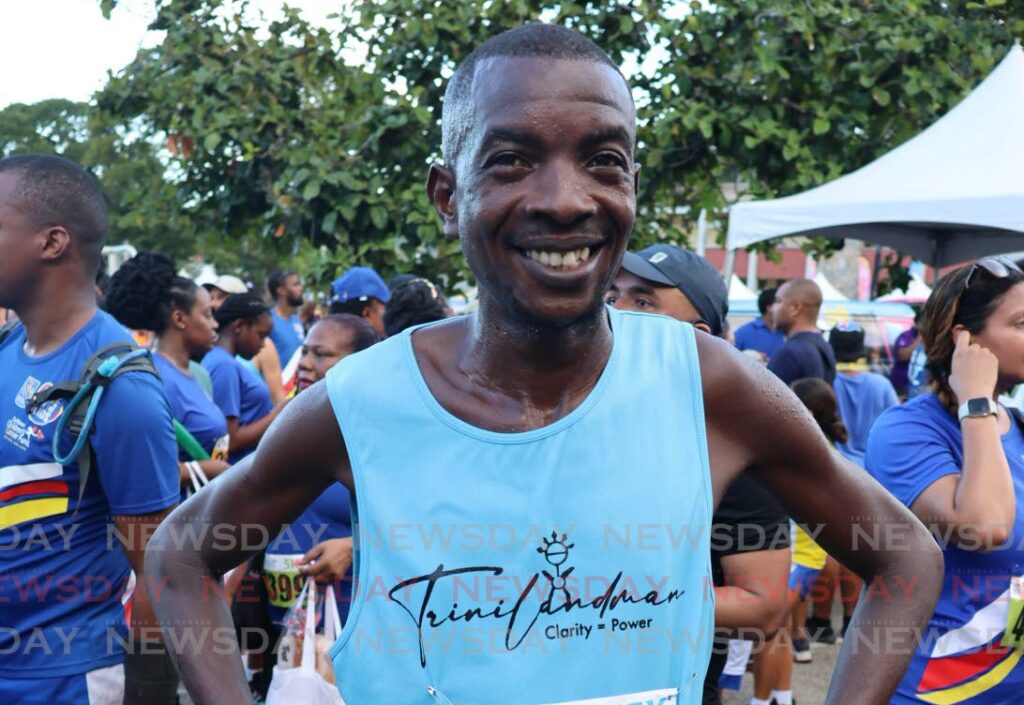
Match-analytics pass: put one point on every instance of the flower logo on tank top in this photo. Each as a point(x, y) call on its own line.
point(543, 597)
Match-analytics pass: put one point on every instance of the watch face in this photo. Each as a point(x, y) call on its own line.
point(980, 407)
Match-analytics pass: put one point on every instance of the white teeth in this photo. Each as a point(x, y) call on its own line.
point(560, 260)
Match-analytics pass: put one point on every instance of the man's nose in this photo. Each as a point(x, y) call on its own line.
point(561, 192)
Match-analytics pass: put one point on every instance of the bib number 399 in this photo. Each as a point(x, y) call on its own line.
point(283, 580)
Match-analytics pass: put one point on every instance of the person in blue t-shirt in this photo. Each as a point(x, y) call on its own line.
point(805, 354)
point(862, 395)
point(760, 334)
point(243, 324)
point(956, 458)
point(64, 581)
point(286, 292)
point(147, 294)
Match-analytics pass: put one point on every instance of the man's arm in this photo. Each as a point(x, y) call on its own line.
point(756, 424)
point(300, 456)
point(754, 594)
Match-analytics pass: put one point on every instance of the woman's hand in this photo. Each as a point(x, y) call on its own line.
point(974, 370)
point(328, 561)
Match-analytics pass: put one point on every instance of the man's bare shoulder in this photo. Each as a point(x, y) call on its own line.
point(739, 391)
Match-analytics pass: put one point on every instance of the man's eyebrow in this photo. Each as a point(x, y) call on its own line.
point(507, 134)
point(641, 289)
point(611, 133)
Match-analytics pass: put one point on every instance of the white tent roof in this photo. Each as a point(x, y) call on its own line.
point(829, 292)
point(952, 193)
point(738, 291)
point(915, 292)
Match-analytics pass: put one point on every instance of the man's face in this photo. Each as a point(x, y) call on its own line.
point(631, 293)
point(784, 309)
point(292, 288)
point(374, 315)
point(217, 296)
point(325, 344)
point(545, 188)
point(17, 263)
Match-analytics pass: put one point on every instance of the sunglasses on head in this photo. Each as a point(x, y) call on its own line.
point(998, 267)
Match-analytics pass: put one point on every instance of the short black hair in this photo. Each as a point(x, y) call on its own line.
point(414, 302)
point(276, 280)
point(529, 40)
point(363, 334)
point(146, 289)
point(55, 191)
point(354, 307)
point(765, 299)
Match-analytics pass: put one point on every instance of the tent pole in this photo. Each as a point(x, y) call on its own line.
point(752, 271)
point(730, 264)
point(702, 232)
point(874, 272)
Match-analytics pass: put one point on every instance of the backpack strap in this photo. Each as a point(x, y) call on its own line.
point(7, 328)
point(85, 395)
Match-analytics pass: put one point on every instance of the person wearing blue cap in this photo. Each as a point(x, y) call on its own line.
point(361, 292)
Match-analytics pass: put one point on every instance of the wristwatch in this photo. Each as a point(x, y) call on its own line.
point(979, 406)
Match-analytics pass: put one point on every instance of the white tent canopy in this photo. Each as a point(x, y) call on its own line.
point(916, 291)
point(952, 193)
point(828, 291)
point(738, 291)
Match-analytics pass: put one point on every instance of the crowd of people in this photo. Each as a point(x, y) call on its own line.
point(337, 425)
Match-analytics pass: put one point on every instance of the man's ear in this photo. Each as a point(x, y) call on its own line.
point(441, 190)
point(703, 326)
point(957, 329)
point(56, 243)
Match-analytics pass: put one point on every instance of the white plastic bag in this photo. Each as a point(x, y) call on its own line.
point(303, 684)
point(197, 477)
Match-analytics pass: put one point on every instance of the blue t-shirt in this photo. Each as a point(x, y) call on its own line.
point(328, 517)
point(960, 659)
point(758, 336)
point(287, 335)
point(193, 409)
point(62, 579)
point(239, 392)
point(862, 399)
point(804, 355)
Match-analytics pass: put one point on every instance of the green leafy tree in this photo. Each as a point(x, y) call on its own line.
point(296, 140)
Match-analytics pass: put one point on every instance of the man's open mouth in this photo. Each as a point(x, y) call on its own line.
point(562, 260)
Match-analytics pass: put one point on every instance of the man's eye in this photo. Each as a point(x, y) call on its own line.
point(507, 159)
point(643, 303)
point(611, 298)
point(607, 159)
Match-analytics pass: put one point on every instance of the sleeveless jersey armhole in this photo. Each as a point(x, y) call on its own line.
point(335, 380)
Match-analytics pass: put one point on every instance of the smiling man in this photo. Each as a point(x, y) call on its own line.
point(504, 463)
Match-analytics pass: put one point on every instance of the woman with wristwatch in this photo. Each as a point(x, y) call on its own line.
point(955, 457)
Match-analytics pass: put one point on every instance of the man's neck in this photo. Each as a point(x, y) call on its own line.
point(543, 367)
point(285, 309)
point(51, 320)
point(802, 327)
point(766, 318)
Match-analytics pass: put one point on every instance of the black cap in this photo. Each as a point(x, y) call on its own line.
point(847, 341)
point(693, 275)
point(236, 306)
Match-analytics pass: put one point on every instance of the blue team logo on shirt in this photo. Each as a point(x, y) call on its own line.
point(28, 388)
point(46, 413)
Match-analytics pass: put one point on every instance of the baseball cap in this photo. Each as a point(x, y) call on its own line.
point(359, 283)
point(227, 283)
point(847, 341)
point(693, 275)
point(237, 306)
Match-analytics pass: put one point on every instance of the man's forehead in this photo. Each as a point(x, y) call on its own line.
point(505, 84)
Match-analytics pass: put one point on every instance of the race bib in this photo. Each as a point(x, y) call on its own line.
point(1014, 634)
point(282, 578)
point(220, 449)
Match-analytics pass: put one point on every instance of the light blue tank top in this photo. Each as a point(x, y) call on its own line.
point(564, 565)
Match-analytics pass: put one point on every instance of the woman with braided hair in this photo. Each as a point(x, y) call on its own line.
point(146, 293)
point(955, 457)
